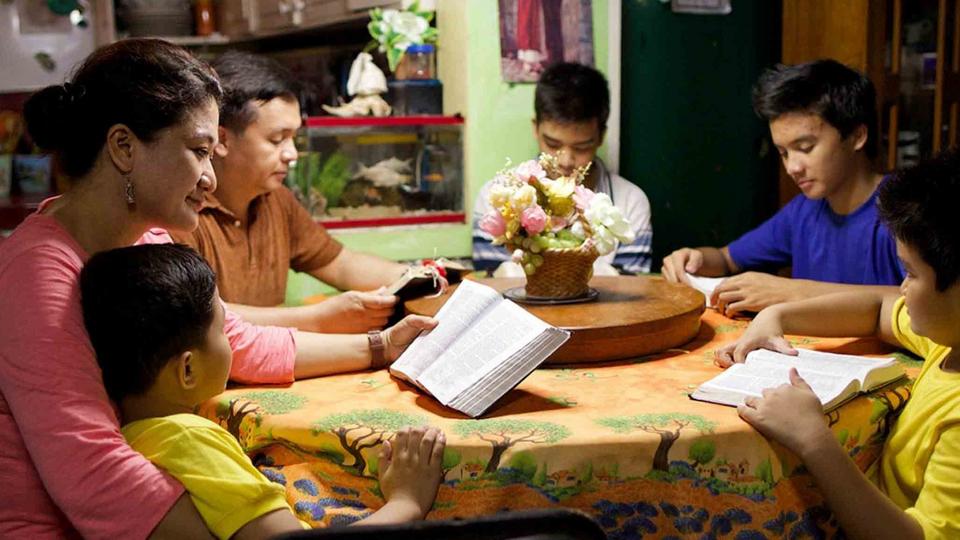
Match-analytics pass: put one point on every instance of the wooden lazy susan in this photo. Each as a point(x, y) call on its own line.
point(632, 316)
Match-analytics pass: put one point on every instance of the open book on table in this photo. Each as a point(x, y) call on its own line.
point(483, 346)
point(835, 378)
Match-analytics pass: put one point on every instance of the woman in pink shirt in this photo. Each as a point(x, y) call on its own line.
point(134, 130)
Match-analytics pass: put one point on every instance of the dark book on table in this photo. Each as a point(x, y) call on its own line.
point(834, 378)
point(420, 281)
point(483, 347)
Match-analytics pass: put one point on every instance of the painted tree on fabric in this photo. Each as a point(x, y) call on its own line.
point(702, 452)
point(232, 412)
point(667, 425)
point(361, 429)
point(887, 406)
point(503, 434)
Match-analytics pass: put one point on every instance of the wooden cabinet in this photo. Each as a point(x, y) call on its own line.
point(910, 49)
point(241, 19)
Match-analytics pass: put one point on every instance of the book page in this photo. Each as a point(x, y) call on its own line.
point(745, 380)
point(706, 285)
point(480, 396)
point(845, 366)
point(458, 313)
point(500, 332)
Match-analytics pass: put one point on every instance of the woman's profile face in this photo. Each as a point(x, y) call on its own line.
point(173, 172)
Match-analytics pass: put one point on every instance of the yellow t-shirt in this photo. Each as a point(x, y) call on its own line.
point(920, 465)
point(226, 488)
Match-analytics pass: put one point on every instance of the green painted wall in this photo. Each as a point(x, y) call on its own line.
point(689, 136)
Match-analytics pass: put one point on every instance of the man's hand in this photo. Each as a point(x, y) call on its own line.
point(753, 291)
point(398, 337)
point(764, 332)
point(680, 262)
point(352, 312)
point(790, 414)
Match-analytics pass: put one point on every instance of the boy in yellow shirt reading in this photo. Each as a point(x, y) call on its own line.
point(916, 489)
point(156, 323)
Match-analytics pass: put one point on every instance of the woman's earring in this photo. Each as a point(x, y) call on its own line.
point(131, 200)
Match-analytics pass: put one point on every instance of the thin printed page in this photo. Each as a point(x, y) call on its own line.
point(706, 285)
point(480, 396)
point(745, 380)
point(501, 332)
point(845, 366)
point(460, 311)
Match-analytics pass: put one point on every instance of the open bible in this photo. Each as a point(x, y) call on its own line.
point(483, 346)
point(834, 378)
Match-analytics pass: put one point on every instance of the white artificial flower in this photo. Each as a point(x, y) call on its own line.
point(500, 195)
point(608, 223)
point(577, 230)
point(604, 240)
point(410, 25)
point(523, 198)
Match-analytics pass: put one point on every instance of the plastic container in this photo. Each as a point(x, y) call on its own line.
point(415, 97)
point(419, 62)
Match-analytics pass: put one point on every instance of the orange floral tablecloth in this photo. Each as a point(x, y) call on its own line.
point(620, 441)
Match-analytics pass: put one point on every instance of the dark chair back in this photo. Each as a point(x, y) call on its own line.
point(552, 524)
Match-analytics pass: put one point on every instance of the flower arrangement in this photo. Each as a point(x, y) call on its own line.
point(394, 30)
point(538, 209)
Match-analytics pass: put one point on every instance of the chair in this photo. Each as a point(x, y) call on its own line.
point(551, 524)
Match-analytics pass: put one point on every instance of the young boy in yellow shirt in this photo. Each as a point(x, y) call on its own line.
point(156, 323)
point(915, 488)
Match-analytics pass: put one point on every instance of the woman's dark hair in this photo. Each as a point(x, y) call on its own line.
point(142, 306)
point(572, 93)
point(249, 78)
point(144, 84)
point(919, 204)
point(843, 97)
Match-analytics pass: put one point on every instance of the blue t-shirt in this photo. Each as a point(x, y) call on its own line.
point(820, 245)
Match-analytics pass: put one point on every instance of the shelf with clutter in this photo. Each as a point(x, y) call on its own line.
point(381, 171)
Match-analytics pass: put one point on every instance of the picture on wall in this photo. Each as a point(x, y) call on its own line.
point(537, 33)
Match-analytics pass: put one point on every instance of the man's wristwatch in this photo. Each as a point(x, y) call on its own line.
point(378, 359)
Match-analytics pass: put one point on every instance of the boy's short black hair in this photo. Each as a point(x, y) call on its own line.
point(842, 96)
point(919, 205)
point(572, 93)
point(248, 78)
point(142, 306)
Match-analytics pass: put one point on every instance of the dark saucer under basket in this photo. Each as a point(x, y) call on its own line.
point(519, 295)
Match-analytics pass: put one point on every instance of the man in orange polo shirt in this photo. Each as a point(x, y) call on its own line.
point(253, 230)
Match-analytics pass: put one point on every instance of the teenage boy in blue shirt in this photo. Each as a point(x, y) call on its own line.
point(823, 122)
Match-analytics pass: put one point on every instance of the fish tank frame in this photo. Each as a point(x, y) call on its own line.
point(380, 172)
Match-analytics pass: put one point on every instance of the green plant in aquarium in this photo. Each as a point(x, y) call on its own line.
point(333, 177)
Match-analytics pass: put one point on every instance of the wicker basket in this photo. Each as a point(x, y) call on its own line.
point(563, 274)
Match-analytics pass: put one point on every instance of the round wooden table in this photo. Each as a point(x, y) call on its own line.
point(633, 316)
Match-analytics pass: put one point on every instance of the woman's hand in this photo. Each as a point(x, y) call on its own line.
point(398, 337)
point(790, 414)
point(764, 332)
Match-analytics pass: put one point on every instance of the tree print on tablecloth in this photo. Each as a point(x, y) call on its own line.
point(667, 425)
point(232, 412)
point(361, 429)
point(503, 434)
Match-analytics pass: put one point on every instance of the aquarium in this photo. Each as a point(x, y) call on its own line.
point(379, 172)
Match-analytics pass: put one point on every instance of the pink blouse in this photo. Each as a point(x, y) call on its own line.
point(65, 469)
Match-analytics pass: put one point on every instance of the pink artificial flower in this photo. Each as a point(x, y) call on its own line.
point(493, 224)
point(530, 171)
point(533, 219)
point(582, 197)
point(558, 224)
